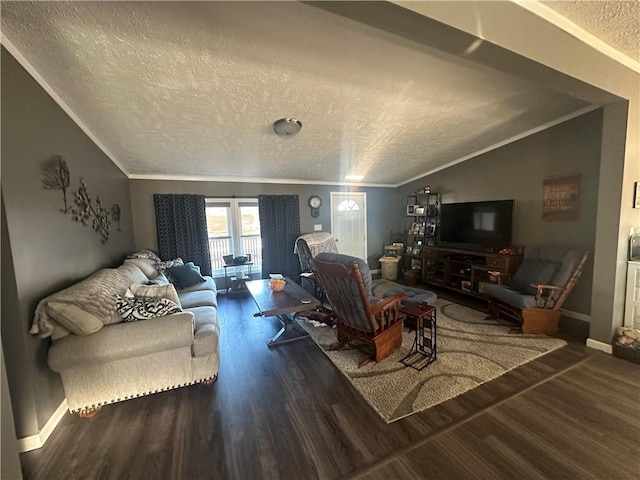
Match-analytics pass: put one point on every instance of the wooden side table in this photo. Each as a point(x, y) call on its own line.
point(424, 349)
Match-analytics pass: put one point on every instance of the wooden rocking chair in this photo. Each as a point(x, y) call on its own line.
point(346, 282)
point(538, 289)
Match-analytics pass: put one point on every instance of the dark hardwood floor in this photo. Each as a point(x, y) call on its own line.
point(288, 413)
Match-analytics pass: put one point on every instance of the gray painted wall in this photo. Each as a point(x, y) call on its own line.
point(516, 171)
point(381, 207)
point(10, 468)
point(46, 250)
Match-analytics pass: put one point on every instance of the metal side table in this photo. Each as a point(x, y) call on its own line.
point(424, 349)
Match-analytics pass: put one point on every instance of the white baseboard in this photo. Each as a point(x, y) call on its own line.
point(577, 315)
point(597, 345)
point(33, 442)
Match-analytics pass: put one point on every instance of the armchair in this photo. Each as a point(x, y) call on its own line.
point(538, 289)
point(346, 281)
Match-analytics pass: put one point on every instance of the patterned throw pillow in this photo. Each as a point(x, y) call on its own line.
point(147, 254)
point(164, 266)
point(156, 291)
point(140, 308)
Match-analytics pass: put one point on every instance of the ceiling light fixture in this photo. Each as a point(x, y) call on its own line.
point(287, 127)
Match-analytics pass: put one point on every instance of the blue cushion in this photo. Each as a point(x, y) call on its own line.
point(347, 261)
point(510, 296)
point(533, 271)
point(184, 276)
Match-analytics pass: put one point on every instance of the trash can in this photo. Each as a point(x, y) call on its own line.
point(389, 267)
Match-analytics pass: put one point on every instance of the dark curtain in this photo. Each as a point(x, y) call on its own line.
point(279, 229)
point(181, 224)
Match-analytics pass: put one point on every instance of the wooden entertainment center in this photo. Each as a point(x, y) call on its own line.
point(455, 268)
point(465, 271)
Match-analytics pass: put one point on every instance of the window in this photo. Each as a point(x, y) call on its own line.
point(234, 229)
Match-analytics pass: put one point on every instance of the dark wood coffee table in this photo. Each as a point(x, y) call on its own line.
point(286, 305)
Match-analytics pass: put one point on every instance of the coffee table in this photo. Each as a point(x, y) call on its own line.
point(286, 305)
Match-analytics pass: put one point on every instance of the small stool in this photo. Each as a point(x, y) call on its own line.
point(424, 349)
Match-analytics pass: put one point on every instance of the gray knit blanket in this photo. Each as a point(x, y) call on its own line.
point(95, 295)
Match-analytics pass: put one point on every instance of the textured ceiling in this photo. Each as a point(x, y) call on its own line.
point(615, 22)
point(181, 89)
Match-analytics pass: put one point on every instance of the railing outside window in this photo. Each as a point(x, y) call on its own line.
point(234, 229)
point(218, 247)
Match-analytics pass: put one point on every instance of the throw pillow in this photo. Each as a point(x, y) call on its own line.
point(147, 266)
point(74, 318)
point(141, 308)
point(147, 254)
point(156, 291)
point(163, 267)
point(184, 276)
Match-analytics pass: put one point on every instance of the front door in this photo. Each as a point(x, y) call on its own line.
point(349, 222)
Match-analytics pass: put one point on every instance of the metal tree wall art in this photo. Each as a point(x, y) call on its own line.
point(56, 177)
point(85, 211)
point(115, 214)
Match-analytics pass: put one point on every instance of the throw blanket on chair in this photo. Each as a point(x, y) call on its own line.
point(318, 242)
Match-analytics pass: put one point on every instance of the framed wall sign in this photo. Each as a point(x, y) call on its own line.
point(560, 198)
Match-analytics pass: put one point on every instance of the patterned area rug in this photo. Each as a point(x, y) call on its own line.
point(471, 351)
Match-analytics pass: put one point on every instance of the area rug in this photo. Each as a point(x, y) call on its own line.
point(470, 351)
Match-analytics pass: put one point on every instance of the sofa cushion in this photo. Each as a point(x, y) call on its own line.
point(141, 308)
point(200, 298)
point(208, 284)
point(147, 266)
point(74, 318)
point(184, 276)
point(157, 291)
point(122, 341)
point(133, 273)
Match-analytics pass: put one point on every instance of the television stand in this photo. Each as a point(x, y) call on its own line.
point(465, 271)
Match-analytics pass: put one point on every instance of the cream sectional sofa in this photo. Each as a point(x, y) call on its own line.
point(103, 359)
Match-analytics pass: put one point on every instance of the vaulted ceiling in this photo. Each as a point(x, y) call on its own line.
point(191, 89)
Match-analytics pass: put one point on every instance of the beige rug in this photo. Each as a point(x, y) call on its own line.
point(470, 352)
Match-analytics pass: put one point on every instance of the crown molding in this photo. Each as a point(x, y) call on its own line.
point(285, 181)
point(513, 139)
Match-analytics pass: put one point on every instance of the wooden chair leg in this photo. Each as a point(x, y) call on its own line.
point(89, 412)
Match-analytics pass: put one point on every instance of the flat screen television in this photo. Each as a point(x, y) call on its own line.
point(484, 226)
